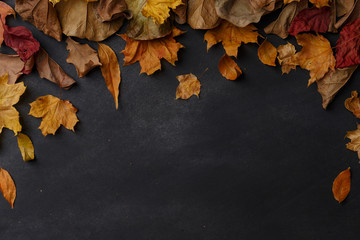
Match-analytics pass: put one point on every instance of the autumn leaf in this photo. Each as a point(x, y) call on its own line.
point(285, 57)
point(150, 52)
point(202, 14)
point(228, 68)
point(54, 113)
point(290, 1)
point(110, 70)
point(320, 3)
point(7, 186)
point(189, 85)
point(268, 5)
point(9, 96)
point(231, 37)
point(181, 12)
point(82, 56)
point(159, 10)
point(26, 147)
point(341, 185)
point(267, 53)
point(50, 70)
point(57, 1)
point(11, 65)
point(109, 10)
point(353, 104)
point(5, 10)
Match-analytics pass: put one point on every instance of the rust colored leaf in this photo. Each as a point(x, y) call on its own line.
point(285, 57)
point(5, 10)
point(189, 85)
point(341, 185)
point(7, 186)
point(353, 104)
point(228, 68)
point(26, 147)
point(267, 53)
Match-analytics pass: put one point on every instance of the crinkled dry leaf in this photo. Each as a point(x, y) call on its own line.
point(150, 52)
point(110, 70)
point(231, 37)
point(353, 104)
point(285, 57)
point(7, 186)
point(202, 14)
point(181, 12)
point(11, 65)
point(228, 68)
point(159, 10)
point(341, 185)
point(9, 96)
point(54, 112)
point(26, 147)
point(354, 136)
point(82, 56)
point(189, 85)
point(50, 70)
point(109, 10)
point(267, 53)
point(320, 3)
point(5, 10)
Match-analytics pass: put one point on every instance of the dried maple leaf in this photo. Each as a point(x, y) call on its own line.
point(231, 37)
point(159, 10)
point(189, 85)
point(110, 70)
point(353, 104)
point(228, 68)
point(320, 3)
point(7, 186)
point(341, 185)
point(82, 56)
point(149, 52)
point(202, 14)
point(54, 113)
point(5, 10)
point(348, 45)
point(315, 56)
point(285, 57)
point(26, 147)
point(50, 70)
point(9, 96)
point(267, 53)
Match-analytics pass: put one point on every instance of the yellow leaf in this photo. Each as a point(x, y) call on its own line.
point(341, 185)
point(54, 112)
point(353, 104)
point(286, 57)
point(267, 53)
point(159, 9)
point(26, 147)
point(110, 70)
point(7, 187)
point(9, 96)
point(320, 3)
point(228, 68)
point(189, 85)
point(231, 36)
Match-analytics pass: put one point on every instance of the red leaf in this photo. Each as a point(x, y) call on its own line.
point(315, 19)
point(348, 45)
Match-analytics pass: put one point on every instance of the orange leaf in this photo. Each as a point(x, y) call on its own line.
point(341, 185)
point(189, 85)
point(7, 187)
point(353, 104)
point(5, 10)
point(267, 53)
point(228, 68)
point(320, 3)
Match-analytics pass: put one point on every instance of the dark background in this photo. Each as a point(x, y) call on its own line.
point(250, 159)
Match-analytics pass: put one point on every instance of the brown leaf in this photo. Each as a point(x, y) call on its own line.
point(12, 65)
point(50, 70)
point(352, 13)
point(7, 186)
point(82, 56)
point(228, 68)
point(202, 14)
point(353, 104)
point(109, 10)
point(341, 185)
point(267, 53)
point(332, 82)
point(189, 85)
point(181, 12)
point(110, 70)
point(268, 5)
point(354, 144)
point(26, 147)
point(286, 57)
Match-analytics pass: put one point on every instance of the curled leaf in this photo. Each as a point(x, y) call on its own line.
point(341, 185)
point(353, 104)
point(228, 68)
point(189, 85)
point(285, 57)
point(159, 10)
point(181, 12)
point(267, 53)
point(109, 10)
point(26, 147)
point(7, 186)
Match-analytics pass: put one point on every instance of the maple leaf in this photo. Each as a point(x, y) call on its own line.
point(231, 37)
point(159, 9)
point(228, 68)
point(189, 85)
point(54, 113)
point(202, 14)
point(5, 10)
point(9, 96)
point(285, 57)
point(348, 45)
point(341, 185)
point(110, 70)
point(267, 53)
point(7, 186)
point(320, 3)
point(26, 147)
point(353, 104)
point(149, 52)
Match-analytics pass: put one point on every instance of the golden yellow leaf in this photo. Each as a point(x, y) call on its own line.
point(110, 70)
point(354, 144)
point(149, 52)
point(341, 185)
point(54, 112)
point(7, 187)
point(26, 147)
point(9, 96)
point(189, 85)
point(228, 68)
point(353, 104)
point(286, 57)
point(267, 53)
point(290, 1)
point(159, 9)
point(231, 36)
point(320, 3)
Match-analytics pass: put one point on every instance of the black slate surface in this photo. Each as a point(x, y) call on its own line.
point(250, 159)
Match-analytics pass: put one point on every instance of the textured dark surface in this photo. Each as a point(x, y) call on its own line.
point(250, 159)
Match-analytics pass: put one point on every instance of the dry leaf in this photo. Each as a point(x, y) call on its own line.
point(109, 10)
point(332, 82)
point(26, 147)
point(228, 68)
point(9, 96)
point(159, 10)
point(352, 13)
point(286, 57)
point(343, 7)
point(189, 85)
point(267, 53)
point(11, 65)
point(149, 52)
point(354, 144)
point(82, 56)
point(353, 104)
point(54, 112)
point(268, 5)
point(290, 1)
point(231, 37)
point(50, 70)
point(5, 10)
point(7, 186)
point(181, 12)
point(57, 1)
point(341, 185)
point(320, 3)
point(202, 14)
point(110, 70)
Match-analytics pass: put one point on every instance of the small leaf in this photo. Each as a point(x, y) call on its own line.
point(320, 3)
point(353, 104)
point(189, 85)
point(7, 186)
point(228, 68)
point(26, 147)
point(267, 53)
point(286, 57)
point(354, 144)
point(341, 185)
